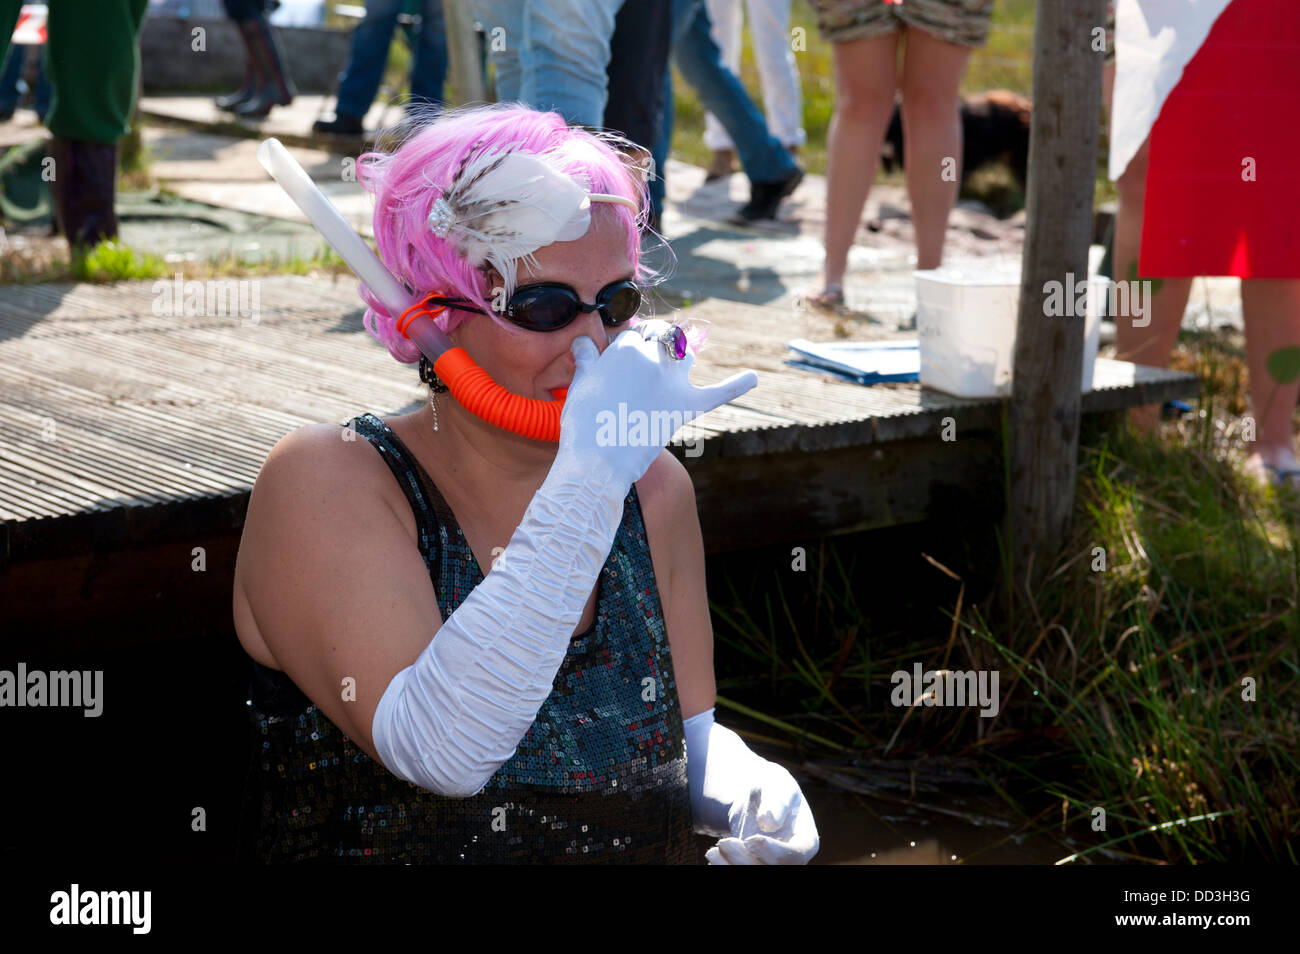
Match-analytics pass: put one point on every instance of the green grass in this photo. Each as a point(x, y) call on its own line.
point(113, 261)
point(1124, 687)
point(1198, 596)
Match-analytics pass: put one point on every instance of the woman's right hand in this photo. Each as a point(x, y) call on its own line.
point(624, 405)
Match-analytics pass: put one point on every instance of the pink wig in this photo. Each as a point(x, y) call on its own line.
point(405, 184)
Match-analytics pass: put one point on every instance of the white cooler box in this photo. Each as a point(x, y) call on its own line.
point(966, 324)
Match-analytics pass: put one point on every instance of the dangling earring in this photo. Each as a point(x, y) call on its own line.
point(430, 377)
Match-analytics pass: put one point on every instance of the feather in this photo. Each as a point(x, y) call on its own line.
point(502, 207)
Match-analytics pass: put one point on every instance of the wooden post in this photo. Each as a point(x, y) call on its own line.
point(464, 65)
point(1044, 411)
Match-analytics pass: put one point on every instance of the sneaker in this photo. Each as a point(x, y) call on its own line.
point(340, 125)
point(765, 197)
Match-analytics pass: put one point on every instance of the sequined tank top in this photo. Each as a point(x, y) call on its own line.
point(600, 775)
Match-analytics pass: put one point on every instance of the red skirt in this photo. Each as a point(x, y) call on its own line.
point(1223, 177)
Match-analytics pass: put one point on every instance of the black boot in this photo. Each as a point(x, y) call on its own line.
point(277, 88)
point(83, 189)
point(341, 125)
point(765, 197)
point(253, 78)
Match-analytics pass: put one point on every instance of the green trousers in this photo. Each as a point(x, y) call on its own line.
point(93, 61)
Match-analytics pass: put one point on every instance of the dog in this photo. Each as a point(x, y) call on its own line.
point(994, 128)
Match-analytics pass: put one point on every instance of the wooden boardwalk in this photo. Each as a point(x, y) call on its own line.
point(120, 428)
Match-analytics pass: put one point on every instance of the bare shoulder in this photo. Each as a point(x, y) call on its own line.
point(318, 461)
point(323, 448)
point(330, 582)
point(303, 474)
point(311, 480)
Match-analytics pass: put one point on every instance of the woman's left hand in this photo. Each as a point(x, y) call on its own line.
point(774, 826)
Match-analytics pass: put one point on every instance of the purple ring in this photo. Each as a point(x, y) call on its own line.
point(674, 342)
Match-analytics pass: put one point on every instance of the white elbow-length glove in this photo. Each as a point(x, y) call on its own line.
point(452, 718)
point(755, 805)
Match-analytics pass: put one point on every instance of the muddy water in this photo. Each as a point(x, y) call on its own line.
point(860, 830)
point(966, 826)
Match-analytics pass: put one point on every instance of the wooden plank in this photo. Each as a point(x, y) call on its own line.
point(162, 423)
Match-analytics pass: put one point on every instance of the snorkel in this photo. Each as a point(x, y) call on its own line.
point(468, 382)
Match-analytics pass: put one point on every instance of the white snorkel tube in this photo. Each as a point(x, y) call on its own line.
point(291, 176)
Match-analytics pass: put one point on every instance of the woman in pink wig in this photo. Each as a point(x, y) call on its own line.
point(475, 646)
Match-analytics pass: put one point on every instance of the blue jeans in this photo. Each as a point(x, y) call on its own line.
point(9, 83)
point(638, 57)
point(359, 81)
point(698, 58)
point(551, 55)
point(244, 9)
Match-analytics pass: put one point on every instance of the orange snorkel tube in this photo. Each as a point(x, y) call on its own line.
point(470, 384)
point(474, 388)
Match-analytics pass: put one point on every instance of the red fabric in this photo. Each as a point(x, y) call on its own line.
point(31, 29)
point(1239, 98)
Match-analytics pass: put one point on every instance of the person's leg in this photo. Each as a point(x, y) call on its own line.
point(241, 12)
point(769, 30)
point(429, 71)
point(638, 64)
point(1152, 338)
point(13, 71)
point(94, 63)
point(564, 56)
point(1271, 310)
point(932, 71)
point(866, 75)
point(662, 145)
point(725, 16)
point(277, 88)
point(367, 55)
point(503, 25)
point(638, 57)
point(697, 57)
point(41, 95)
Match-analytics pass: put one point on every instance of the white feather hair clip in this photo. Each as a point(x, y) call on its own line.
point(503, 206)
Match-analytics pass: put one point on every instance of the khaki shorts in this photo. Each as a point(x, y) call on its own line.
point(965, 22)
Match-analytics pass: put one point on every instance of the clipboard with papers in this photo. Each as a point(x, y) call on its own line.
point(863, 362)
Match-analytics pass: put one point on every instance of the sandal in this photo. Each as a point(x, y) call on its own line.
point(1283, 477)
point(1276, 477)
point(830, 298)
